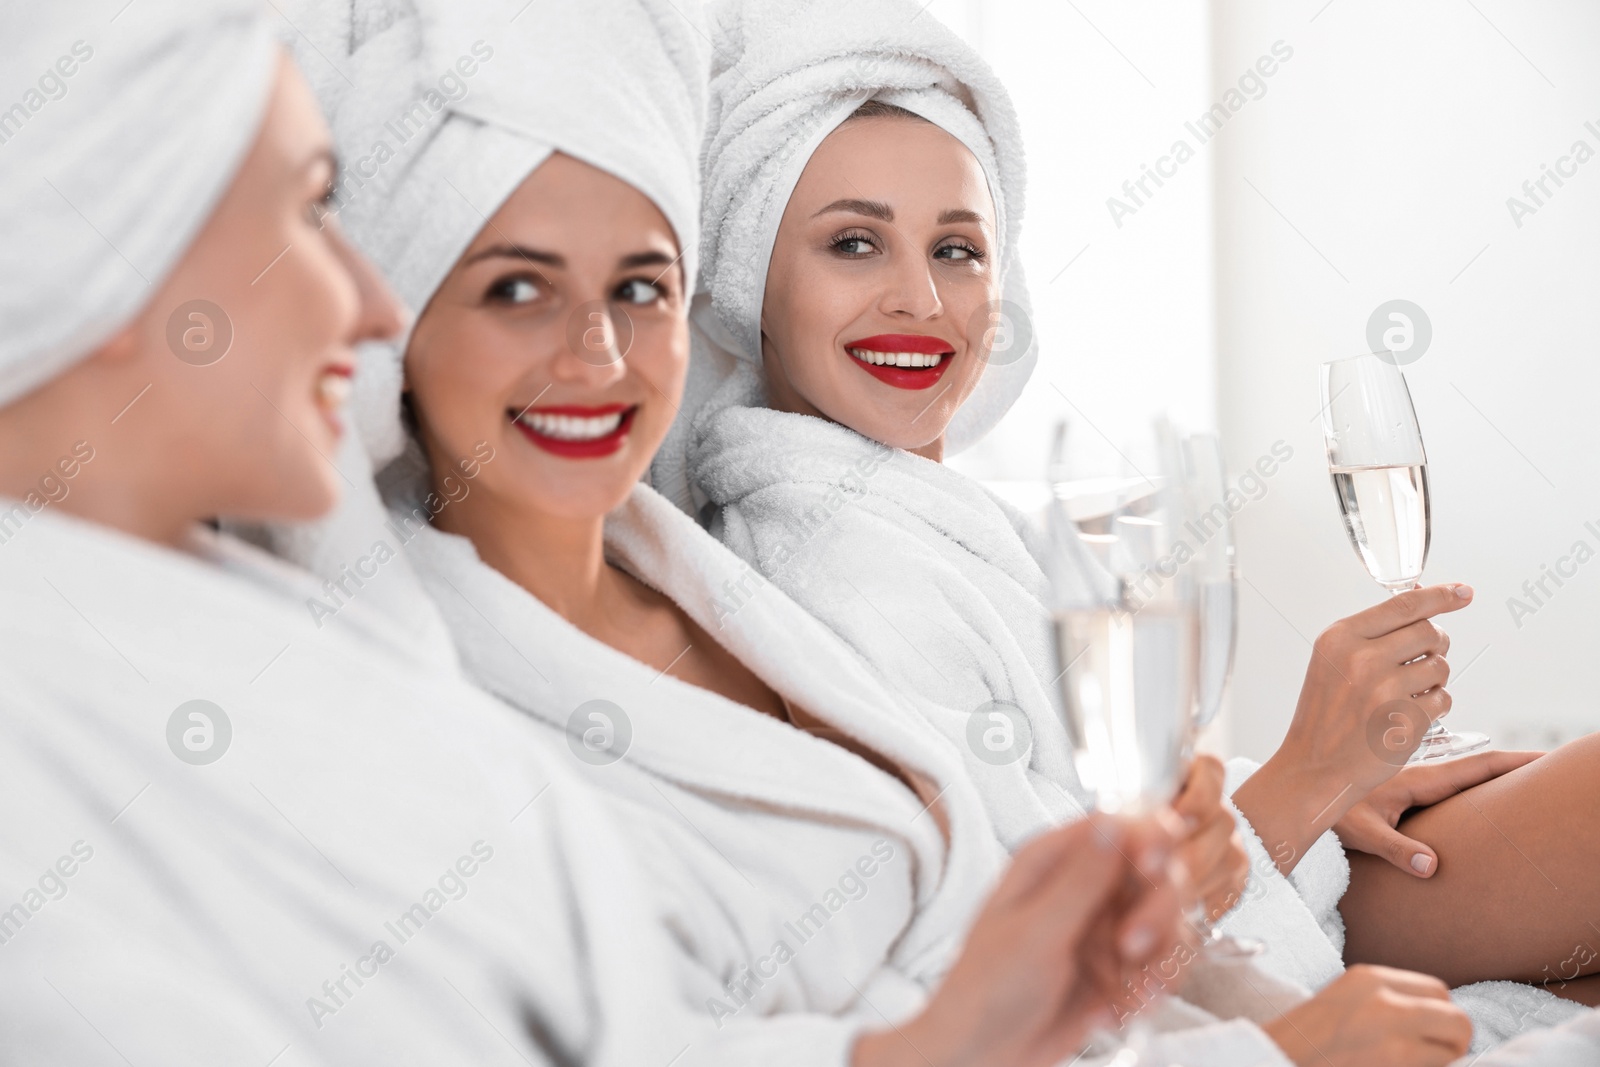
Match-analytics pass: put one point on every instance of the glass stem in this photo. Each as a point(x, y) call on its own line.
point(1435, 729)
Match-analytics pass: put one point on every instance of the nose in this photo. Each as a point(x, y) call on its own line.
point(912, 291)
point(594, 349)
point(379, 314)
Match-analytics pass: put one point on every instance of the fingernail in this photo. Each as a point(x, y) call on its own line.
point(1154, 860)
point(1464, 591)
point(1137, 942)
point(1422, 863)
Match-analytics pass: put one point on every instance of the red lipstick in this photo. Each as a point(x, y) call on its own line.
point(893, 343)
point(561, 430)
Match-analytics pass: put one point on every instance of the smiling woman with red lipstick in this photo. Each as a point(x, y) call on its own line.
point(901, 274)
point(862, 214)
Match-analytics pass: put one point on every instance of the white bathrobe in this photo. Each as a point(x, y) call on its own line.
point(749, 822)
point(184, 912)
point(932, 579)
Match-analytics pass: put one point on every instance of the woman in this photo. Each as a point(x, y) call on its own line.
point(854, 289)
point(817, 888)
point(231, 831)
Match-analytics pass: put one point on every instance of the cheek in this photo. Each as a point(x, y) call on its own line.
point(306, 303)
point(813, 305)
point(462, 374)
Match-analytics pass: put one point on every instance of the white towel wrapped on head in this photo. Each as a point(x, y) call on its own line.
point(128, 130)
point(783, 77)
point(440, 111)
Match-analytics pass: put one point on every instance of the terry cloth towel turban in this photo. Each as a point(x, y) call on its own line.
point(120, 130)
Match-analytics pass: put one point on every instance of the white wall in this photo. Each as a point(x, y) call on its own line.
point(1387, 148)
point(1376, 165)
point(1124, 314)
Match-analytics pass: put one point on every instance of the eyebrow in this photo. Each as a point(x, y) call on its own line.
point(517, 252)
point(877, 209)
point(960, 214)
point(652, 258)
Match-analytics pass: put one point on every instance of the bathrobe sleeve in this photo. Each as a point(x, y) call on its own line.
point(1297, 916)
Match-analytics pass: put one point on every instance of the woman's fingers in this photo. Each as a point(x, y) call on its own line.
point(1202, 792)
point(1429, 672)
point(1412, 606)
point(1431, 783)
point(1034, 864)
point(1418, 639)
point(1366, 830)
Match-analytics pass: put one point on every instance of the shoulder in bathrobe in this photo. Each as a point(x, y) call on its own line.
point(810, 880)
point(760, 831)
point(335, 858)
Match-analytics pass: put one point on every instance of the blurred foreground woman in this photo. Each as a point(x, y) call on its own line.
point(234, 833)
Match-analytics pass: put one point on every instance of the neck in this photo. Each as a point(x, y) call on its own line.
point(61, 449)
point(558, 559)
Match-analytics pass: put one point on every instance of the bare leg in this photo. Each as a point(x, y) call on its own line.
point(1585, 991)
point(1517, 893)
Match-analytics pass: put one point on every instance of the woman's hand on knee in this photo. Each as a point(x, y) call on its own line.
point(1375, 1017)
point(1375, 682)
point(1370, 826)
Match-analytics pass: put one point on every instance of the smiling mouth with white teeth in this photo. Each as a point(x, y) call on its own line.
point(576, 432)
point(903, 360)
point(897, 359)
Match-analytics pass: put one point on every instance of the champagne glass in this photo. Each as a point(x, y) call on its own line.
point(1217, 575)
point(1210, 524)
point(1126, 628)
point(1126, 632)
point(1380, 475)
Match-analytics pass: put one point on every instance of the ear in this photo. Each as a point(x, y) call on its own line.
point(119, 348)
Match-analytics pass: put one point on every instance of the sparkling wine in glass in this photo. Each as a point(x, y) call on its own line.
point(1380, 475)
point(1126, 629)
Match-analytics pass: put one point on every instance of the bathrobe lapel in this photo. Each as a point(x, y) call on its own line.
point(748, 785)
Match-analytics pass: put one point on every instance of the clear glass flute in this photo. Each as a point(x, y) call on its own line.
point(1380, 476)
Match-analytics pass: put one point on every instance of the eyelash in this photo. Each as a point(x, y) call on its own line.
point(499, 290)
point(974, 254)
point(838, 243)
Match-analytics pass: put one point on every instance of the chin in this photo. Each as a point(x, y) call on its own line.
point(308, 495)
